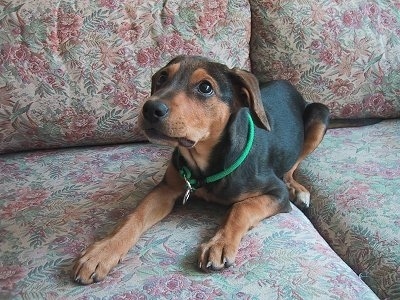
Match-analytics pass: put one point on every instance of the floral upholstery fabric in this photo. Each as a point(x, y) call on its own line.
point(76, 72)
point(341, 53)
point(54, 203)
point(354, 177)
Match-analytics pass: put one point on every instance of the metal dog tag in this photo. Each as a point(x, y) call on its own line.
point(189, 190)
point(186, 197)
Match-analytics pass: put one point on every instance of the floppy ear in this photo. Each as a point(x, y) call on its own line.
point(251, 92)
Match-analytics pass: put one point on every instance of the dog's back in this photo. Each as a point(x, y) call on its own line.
point(274, 152)
point(284, 107)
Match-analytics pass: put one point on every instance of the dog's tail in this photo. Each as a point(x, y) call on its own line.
point(342, 123)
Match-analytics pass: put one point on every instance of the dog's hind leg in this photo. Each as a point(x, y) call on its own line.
point(316, 119)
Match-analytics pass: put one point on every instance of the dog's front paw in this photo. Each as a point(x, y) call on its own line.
point(97, 261)
point(218, 253)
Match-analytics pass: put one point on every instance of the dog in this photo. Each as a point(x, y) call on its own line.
point(237, 143)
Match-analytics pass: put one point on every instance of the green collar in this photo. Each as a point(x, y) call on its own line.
point(193, 184)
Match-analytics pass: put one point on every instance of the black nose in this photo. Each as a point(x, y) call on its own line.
point(154, 111)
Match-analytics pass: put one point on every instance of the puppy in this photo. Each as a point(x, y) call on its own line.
point(236, 143)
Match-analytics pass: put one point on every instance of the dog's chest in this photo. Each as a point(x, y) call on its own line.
point(209, 196)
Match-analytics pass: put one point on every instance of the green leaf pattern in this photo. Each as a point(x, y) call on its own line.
point(54, 203)
point(344, 54)
point(94, 60)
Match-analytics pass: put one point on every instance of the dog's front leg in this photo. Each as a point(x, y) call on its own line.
point(221, 250)
point(102, 256)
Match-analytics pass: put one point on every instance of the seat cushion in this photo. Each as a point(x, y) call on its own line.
point(53, 204)
point(354, 178)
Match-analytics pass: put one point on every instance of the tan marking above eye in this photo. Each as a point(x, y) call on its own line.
point(169, 71)
point(201, 75)
point(173, 69)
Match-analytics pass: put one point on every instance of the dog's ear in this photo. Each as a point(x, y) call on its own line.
point(250, 91)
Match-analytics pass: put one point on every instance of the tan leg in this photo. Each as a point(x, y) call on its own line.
point(299, 195)
point(221, 250)
point(97, 261)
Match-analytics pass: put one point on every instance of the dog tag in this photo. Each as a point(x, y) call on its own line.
point(186, 197)
point(189, 190)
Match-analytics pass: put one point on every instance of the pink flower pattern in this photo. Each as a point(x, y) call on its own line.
point(27, 198)
point(353, 46)
point(62, 200)
point(97, 58)
point(354, 174)
point(76, 74)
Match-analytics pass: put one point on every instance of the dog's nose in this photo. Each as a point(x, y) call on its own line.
point(154, 111)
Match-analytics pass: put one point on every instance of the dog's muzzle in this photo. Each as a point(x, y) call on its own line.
point(154, 112)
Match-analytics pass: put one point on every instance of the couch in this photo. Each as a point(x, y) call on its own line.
point(73, 161)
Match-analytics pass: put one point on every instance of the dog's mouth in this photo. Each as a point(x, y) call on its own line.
point(160, 138)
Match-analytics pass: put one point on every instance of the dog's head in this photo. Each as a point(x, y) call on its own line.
point(192, 99)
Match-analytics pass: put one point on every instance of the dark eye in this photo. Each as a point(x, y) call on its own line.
point(162, 78)
point(205, 88)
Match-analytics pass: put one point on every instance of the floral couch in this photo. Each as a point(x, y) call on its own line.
point(73, 76)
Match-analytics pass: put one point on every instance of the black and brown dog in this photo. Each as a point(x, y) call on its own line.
point(237, 143)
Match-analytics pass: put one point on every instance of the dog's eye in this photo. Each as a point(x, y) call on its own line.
point(205, 88)
point(162, 78)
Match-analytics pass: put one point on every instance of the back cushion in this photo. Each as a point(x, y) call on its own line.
point(76, 73)
point(345, 54)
